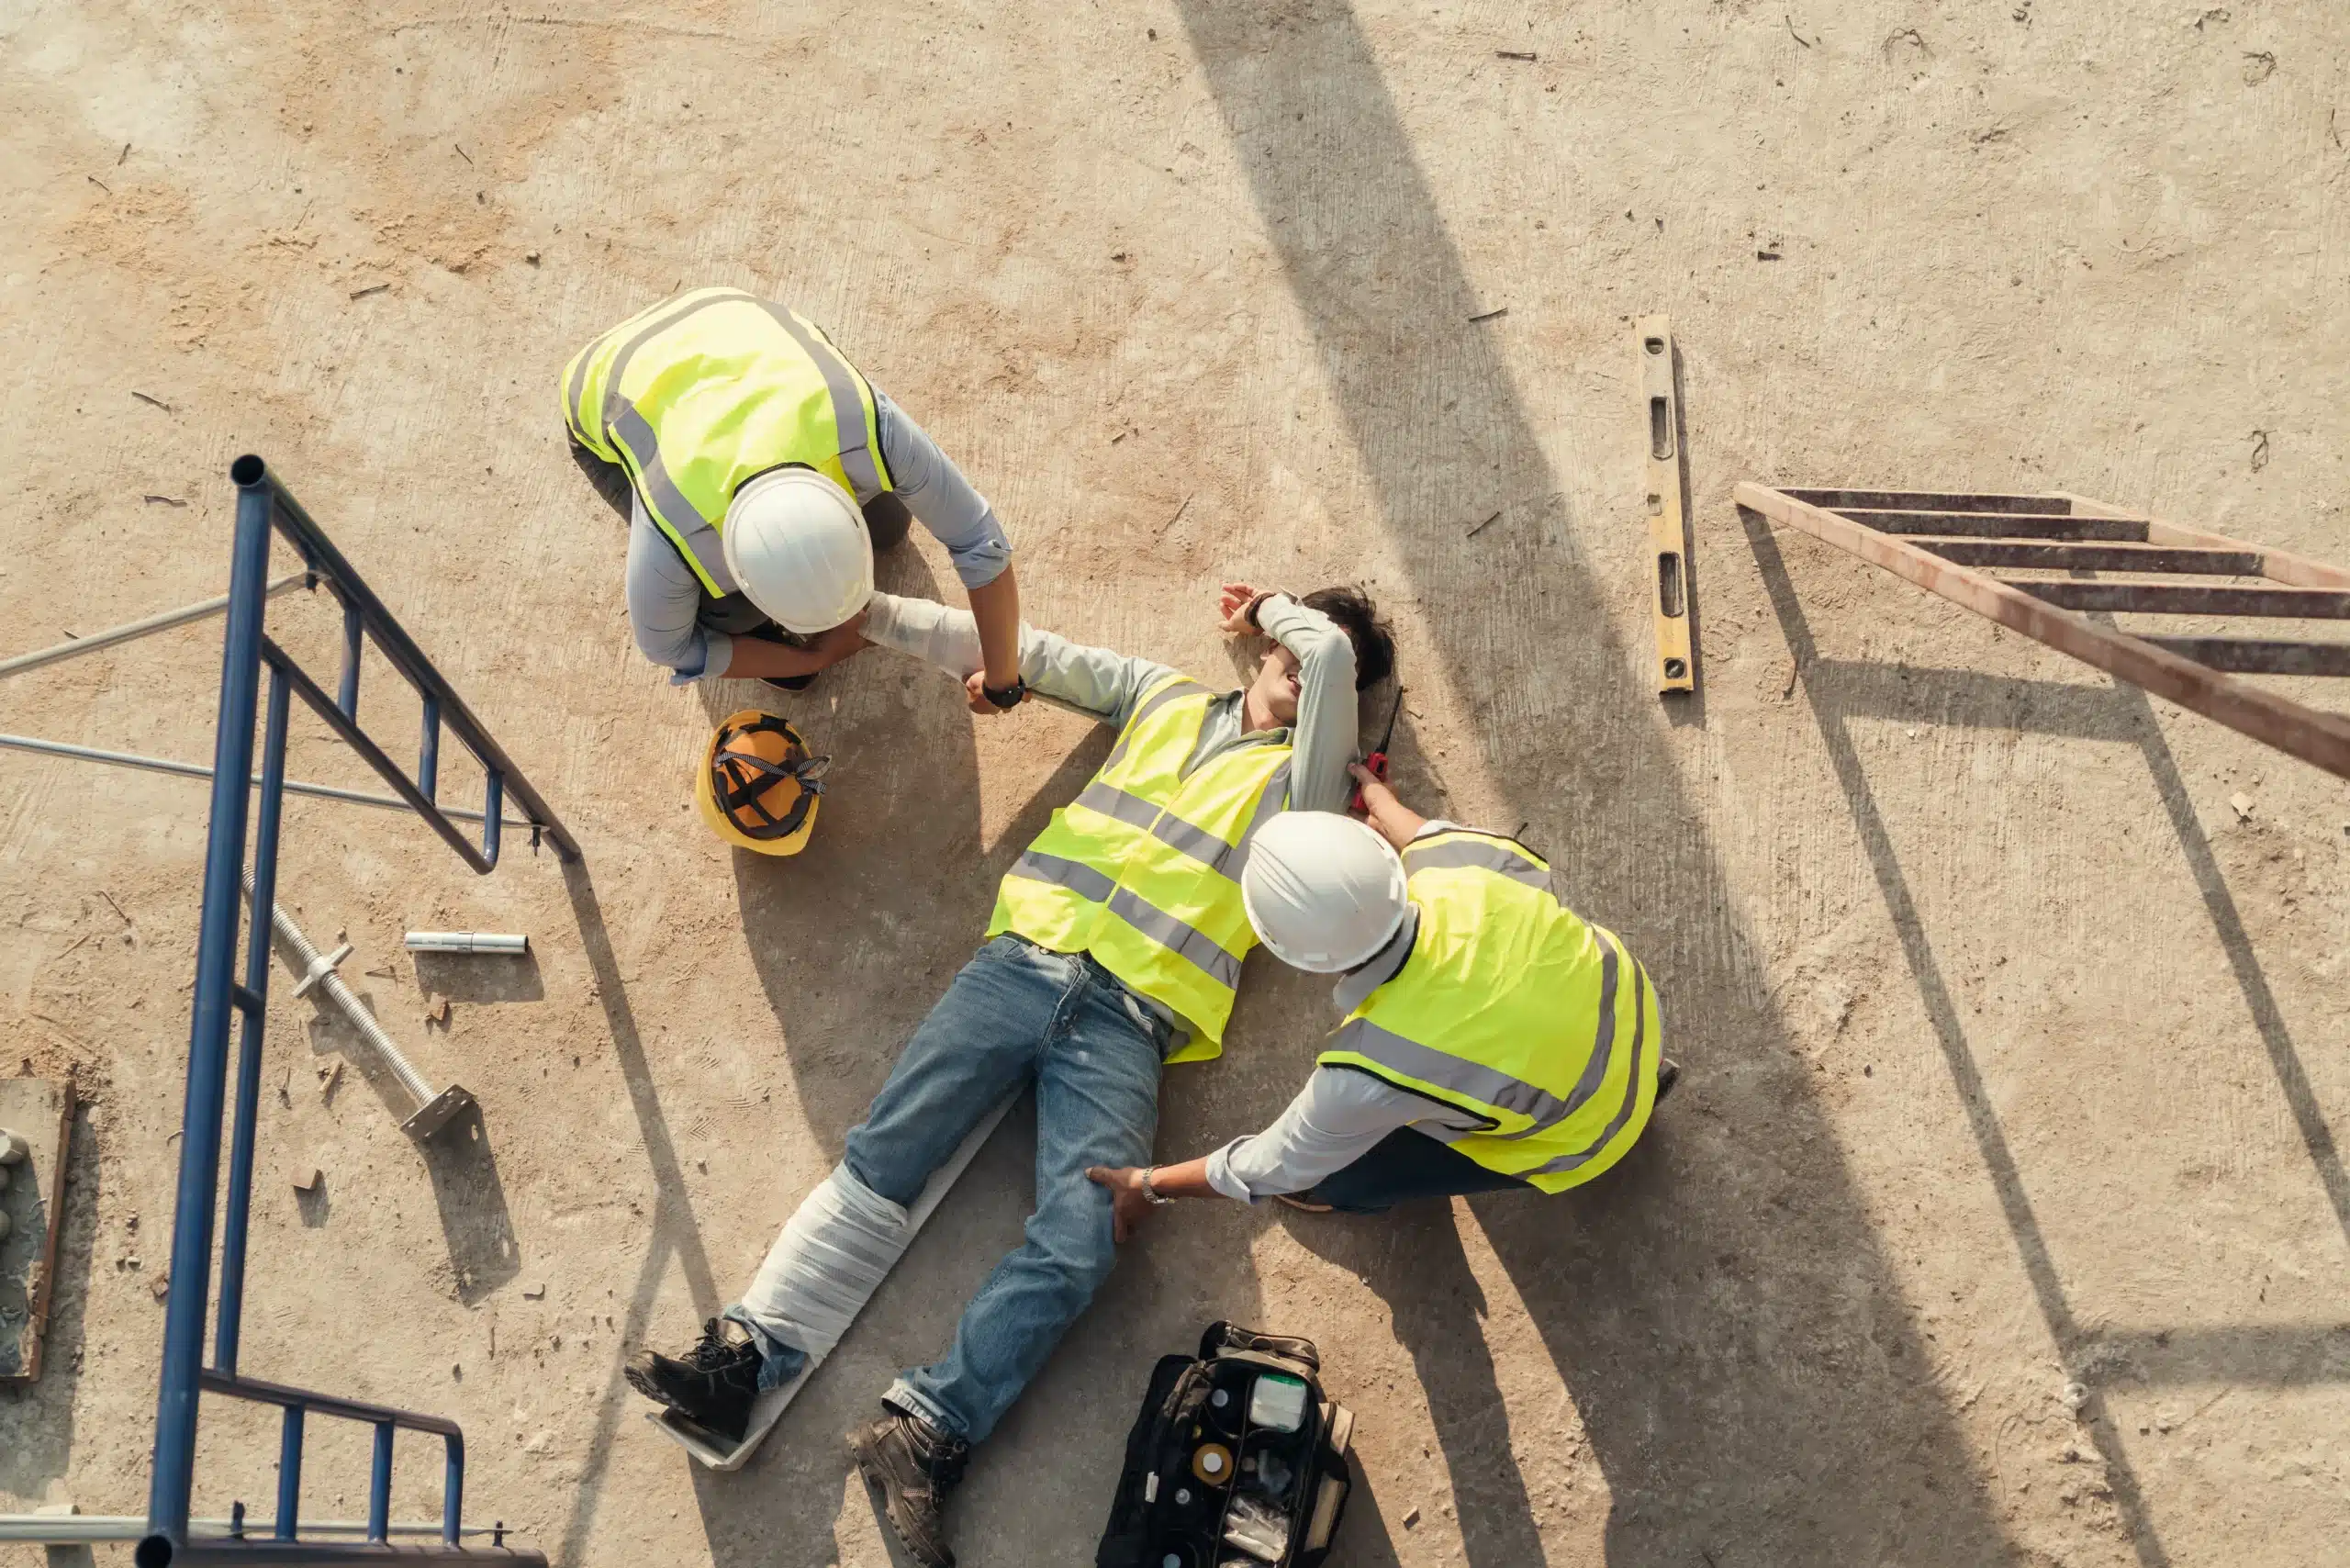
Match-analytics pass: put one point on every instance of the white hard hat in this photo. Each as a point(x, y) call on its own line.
point(796, 546)
point(1324, 891)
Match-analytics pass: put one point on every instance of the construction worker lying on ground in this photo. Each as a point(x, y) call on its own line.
point(1116, 946)
point(763, 472)
point(1492, 1041)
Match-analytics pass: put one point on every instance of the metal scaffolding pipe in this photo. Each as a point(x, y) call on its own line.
point(197, 770)
point(132, 631)
point(434, 1107)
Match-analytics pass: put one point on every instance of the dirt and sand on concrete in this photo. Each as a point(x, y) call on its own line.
point(2000, 1216)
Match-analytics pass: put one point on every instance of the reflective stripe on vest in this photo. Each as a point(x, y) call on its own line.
point(1142, 870)
point(708, 389)
point(1557, 1052)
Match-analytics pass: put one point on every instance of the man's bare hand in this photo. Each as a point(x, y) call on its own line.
point(975, 691)
point(1232, 608)
point(1128, 1207)
point(1388, 816)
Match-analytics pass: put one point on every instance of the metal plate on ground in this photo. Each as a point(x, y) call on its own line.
point(39, 1111)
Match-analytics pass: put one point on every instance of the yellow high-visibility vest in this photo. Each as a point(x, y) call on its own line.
point(1515, 1010)
point(1141, 870)
point(712, 387)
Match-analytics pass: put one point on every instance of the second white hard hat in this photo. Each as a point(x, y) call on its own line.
point(797, 546)
point(1324, 891)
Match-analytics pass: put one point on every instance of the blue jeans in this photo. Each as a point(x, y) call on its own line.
point(1016, 1016)
point(1405, 1165)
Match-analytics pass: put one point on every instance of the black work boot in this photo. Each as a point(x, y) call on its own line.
point(1668, 1073)
point(713, 1386)
point(910, 1466)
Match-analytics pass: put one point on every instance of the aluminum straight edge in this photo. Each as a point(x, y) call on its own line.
point(250, 474)
point(197, 770)
point(2320, 739)
point(130, 632)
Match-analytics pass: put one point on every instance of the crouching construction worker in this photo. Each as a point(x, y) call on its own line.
point(764, 472)
point(1492, 1041)
point(1116, 946)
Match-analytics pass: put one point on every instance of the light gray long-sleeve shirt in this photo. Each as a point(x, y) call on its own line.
point(678, 623)
point(1108, 685)
point(1341, 1115)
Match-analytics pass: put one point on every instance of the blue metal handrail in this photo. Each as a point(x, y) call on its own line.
point(263, 506)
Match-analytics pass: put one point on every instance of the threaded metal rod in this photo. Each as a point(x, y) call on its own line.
point(319, 968)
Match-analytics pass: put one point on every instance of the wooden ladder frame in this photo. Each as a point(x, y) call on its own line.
point(1937, 540)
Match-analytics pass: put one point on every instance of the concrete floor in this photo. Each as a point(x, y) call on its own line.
point(2015, 1053)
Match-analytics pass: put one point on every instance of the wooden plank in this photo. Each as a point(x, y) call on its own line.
point(2259, 656)
point(2320, 739)
point(39, 1111)
point(1676, 661)
point(1998, 524)
point(2049, 556)
point(2276, 565)
point(1934, 500)
point(2192, 598)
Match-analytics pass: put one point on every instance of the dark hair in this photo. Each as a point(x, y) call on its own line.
point(1359, 619)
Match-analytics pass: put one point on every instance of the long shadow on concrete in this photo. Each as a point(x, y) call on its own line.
point(1752, 1385)
point(675, 1234)
point(1840, 691)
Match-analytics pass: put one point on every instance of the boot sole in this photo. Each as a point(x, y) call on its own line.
point(868, 1468)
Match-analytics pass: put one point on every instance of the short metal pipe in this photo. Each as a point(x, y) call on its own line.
point(131, 631)
point(197, 770)
point(513, 943)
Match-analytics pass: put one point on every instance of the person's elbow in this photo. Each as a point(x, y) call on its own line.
point(1326, 661)
point(980, 565)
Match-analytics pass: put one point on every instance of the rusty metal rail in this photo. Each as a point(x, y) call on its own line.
point(1947, 544)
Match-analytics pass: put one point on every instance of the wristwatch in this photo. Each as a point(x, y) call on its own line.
point(1157, 1200)
point(1254, 605)
point(1005, 697)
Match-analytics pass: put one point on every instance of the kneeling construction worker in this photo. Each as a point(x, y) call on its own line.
point(1493, 1039)
point(764, 472)
point(1116, 946)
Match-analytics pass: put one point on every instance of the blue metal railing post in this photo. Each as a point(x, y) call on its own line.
point(379, 1486)
point(354, 634)
point(264, 511)
point(453, 1488)
point(428, 759)
point(289, 1472)
point(207, 1068)
point(230, 1319)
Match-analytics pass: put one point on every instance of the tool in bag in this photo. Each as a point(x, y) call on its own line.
point(1237, 1460)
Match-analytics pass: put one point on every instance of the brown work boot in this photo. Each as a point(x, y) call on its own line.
point(910, 1466)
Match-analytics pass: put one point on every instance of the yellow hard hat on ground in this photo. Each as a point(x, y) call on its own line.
point(757, 785)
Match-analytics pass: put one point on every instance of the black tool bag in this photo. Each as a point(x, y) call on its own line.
point(1215, 1472)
